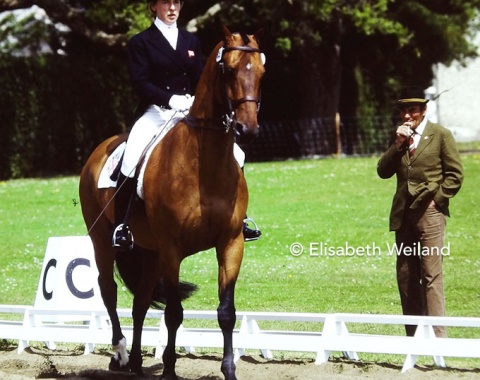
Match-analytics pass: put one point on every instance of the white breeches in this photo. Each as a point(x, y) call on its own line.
point(154, 124)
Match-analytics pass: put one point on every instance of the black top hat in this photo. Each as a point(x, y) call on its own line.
point(412, 94)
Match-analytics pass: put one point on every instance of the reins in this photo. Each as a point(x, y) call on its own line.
point(134, 169)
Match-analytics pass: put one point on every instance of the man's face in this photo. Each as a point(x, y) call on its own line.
point(413, 114)
point(168, 10)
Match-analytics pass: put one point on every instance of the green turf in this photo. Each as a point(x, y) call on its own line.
point(335, 203)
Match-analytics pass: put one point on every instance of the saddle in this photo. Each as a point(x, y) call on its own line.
point(110, 172)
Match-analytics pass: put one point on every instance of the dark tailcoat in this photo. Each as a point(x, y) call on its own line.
point(158, 71)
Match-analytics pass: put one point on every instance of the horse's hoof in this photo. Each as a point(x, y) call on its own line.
point(138, 371)
point(169, 376)
point(228, 371)
point(117, 367)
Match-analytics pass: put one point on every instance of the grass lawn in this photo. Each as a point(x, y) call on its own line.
point(316, 204)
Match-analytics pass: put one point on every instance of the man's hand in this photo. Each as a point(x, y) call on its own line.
point(403, 133)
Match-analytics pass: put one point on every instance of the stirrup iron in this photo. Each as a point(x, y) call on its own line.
point(254, 233)
point(122, 237)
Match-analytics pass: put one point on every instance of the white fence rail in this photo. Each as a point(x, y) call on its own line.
point(36, 324)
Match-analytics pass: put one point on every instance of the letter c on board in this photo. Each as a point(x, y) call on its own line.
point(69, 278)
point(48, 295)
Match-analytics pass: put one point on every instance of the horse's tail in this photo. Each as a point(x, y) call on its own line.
point(130, 269)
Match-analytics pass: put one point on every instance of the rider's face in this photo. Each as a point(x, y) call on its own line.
point(168, 10)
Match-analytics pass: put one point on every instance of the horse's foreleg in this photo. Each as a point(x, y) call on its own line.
point(226, 321)
point(229, 267)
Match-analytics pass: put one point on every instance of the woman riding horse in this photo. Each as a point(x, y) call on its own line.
point(165, 66)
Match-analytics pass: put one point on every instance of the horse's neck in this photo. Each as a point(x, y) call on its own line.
point(215, 149)
point(215, 145)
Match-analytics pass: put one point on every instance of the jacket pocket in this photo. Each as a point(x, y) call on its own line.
point(422, 192)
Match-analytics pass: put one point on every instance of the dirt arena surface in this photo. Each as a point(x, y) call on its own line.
point(40, 363)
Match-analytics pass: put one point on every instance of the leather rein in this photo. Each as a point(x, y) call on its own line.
point(228, 119)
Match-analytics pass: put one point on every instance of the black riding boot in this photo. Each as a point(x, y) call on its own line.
point(122, 236)
point(250, 234)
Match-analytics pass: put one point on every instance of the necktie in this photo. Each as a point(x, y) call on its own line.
point(411, 145)
point(171, 35)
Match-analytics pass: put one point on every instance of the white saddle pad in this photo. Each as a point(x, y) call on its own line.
point(105, 181)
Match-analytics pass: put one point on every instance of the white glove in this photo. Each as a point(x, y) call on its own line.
point(181, 102)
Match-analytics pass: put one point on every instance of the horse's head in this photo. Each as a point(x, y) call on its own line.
point(241, 67)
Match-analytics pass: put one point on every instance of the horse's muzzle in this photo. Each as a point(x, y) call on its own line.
point(246, 134)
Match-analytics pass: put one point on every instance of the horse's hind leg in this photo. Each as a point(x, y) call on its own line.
point(141, 303)
point(108, 288)
point(139, 271)
point(173, 319)
point(119, 361)
point(140, 308)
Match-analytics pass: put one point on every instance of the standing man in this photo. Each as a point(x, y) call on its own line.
point(425, 159)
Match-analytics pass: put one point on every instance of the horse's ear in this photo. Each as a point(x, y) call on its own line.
point(222, 29)
point(226, 32)
point(259, 34)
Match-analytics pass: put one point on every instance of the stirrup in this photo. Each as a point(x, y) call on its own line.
point(122, 237)
point(250, 234)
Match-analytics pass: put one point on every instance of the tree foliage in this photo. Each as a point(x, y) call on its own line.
point(394, 40)
point(324, 56)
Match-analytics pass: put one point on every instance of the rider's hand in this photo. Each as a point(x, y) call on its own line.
point(181, 102)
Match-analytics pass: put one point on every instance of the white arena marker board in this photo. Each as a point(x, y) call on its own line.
point(68, 279)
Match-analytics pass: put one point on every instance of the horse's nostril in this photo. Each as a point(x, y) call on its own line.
point(244, 133)
point(239, 129)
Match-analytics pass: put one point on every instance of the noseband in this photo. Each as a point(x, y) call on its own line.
point(228, 118)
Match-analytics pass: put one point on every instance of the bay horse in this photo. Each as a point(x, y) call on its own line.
point(195, 198)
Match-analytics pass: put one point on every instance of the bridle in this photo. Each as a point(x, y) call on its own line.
point(228, 118)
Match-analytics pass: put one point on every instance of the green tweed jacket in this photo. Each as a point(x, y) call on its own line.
point(434, 172)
